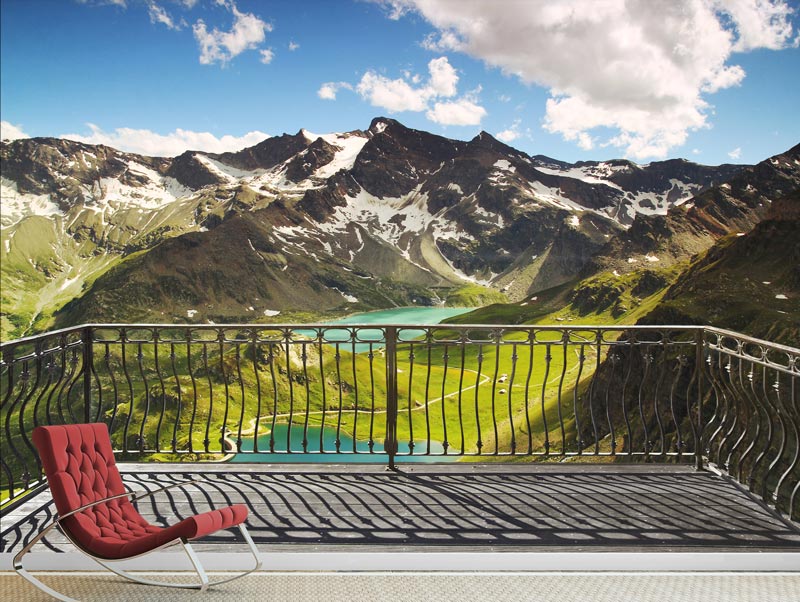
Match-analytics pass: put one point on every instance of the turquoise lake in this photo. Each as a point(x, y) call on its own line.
point(329, 446)
point(402, 315)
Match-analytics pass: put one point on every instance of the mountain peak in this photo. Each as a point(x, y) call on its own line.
point(379, 124)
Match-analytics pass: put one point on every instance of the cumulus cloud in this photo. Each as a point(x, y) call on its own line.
point(147, 142)
point(247, 32)
point(9, 131)
point(409, 93)
point(328, 90)
point(293, 46)
point(266, 55)
point(735, 153)
point(395, 95)
point(443, 77)
point(643, 72)
point(510, 134)
point(459, 112)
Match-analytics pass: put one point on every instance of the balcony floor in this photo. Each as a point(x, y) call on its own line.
point(463, 507)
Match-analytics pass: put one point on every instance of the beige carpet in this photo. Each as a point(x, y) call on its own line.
point(433, 587)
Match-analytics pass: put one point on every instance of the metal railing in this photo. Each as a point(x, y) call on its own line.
point(412, 393)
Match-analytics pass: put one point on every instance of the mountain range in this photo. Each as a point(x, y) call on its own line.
point(388, 216)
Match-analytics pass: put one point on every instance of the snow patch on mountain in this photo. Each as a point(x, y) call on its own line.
point(349, 146)
point(17, 205)
point(584, 174)
point(225, 172)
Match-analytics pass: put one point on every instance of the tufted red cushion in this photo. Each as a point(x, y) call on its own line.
point(80, 468)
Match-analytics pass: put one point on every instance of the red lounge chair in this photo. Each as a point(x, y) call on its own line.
point(96, 513)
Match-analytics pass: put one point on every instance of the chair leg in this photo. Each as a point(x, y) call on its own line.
point(20, 570)
point(198, 567)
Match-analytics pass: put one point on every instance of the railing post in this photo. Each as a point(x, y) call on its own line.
point(88, 362)
point(390, 443)
point(699, 336)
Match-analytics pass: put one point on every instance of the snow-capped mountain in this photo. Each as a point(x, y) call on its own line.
point(383, 216)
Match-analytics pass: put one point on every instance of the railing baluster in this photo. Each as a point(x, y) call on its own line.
point(647, 359)
point(579, 431)
point(271, 360)
point(355, 392)
point(207, 371)
point(494, 388)
point(682, 362)
point(427, 396)
point(531, 337)
point(146, 385)
point(613, 359)
point(338, 358)
point(560, 393)
point(443, 397)
point(88, 360)
point(129, 418)
point(463, 346)
point(548, 358)
point(592, 382)
point(479, 443)
point(392, 410)
point(179, 393)
point(241, 396)
point(189, 369)
point(662, 372)
point(256, 376)
point(323, 385)
point(371, 357)
point(163, 391)
point(225, 388)
point(510, 404)
point(304, 358)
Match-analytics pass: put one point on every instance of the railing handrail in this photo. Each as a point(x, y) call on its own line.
point(369, 326)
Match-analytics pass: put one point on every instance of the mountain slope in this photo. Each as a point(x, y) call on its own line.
point(420, 213)
point(748, 283)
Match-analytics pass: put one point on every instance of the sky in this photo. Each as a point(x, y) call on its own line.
point(712, 81)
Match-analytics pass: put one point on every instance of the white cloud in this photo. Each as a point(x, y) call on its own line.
point(293, 46)
point(510, 134)
point(410, 94)
point(642, 70)
point(759, 23)
point(459, 112)
point(696, 151)
point(9, 131)
point(266, 55)
point(735, 153)
point(146, 142)
point(248, 32)
point(443, 77)
point(393, 94)
point(328, 90)
point(159, 15)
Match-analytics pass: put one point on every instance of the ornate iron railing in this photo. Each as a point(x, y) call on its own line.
point(412, 393)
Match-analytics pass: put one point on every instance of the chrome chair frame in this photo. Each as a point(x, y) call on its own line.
point(203, 585)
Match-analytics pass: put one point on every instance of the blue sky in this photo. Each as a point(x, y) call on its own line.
point(713, 81)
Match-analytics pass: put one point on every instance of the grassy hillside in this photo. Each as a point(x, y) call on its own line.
point(605, 298)
point(749, 283)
